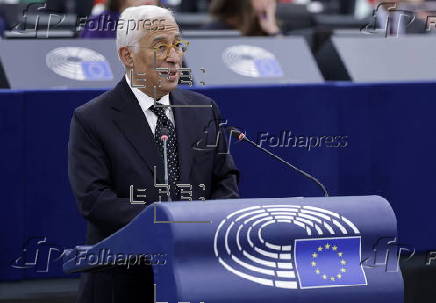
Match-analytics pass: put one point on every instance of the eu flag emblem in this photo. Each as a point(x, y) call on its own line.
point(97, 70)
point(268, 67)
point(329, 262)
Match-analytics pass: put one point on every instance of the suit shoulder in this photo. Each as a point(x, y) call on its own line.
point(95, 105)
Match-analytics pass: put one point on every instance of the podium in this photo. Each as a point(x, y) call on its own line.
point(259, 250)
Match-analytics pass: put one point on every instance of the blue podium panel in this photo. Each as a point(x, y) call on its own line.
point(12, 182)
point(259, 250)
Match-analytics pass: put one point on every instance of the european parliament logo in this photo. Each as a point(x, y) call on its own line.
point(327, 252)
point(252, 61)
point(79, 63)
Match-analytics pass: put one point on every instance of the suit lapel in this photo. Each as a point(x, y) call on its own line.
point(130, 119)
point(186, 131)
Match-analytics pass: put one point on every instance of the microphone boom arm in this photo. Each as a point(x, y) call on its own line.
point(242, 137)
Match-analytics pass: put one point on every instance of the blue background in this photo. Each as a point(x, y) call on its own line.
point(391, 147)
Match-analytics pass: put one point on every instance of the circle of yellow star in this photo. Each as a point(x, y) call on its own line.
point(340, 254)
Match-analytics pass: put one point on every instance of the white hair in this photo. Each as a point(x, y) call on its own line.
point(126, 36)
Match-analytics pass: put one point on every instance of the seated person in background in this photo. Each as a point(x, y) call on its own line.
point(250, 17)
point(104, 25)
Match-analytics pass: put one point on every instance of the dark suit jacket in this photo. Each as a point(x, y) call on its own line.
point(112, 147)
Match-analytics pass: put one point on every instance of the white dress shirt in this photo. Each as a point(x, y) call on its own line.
point(145, 102)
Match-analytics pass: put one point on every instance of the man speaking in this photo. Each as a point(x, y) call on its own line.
point(116, 147)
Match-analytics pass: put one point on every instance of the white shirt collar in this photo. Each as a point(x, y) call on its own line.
point(144, 100)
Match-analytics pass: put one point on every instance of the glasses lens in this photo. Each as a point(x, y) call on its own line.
point(162, 50)
point(181, 46)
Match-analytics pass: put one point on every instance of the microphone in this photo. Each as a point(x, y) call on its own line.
point(240, 136)
point(164, 135)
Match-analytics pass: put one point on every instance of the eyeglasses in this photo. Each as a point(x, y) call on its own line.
point(162, 50)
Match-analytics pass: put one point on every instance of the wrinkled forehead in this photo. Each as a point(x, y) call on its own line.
point(165, 29)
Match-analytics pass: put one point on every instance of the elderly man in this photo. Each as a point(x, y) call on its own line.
point(115, 147)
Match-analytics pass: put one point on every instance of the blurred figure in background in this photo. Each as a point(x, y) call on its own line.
point(250, 17)
point(104, 25)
